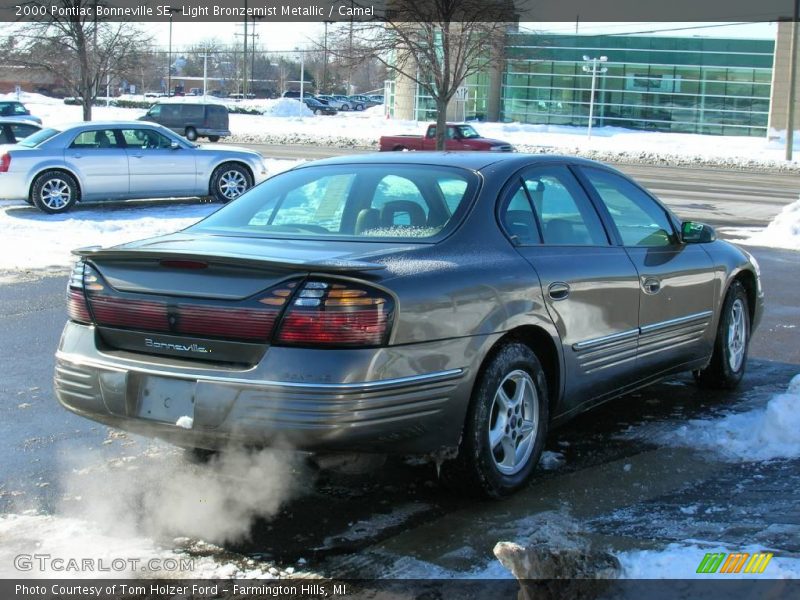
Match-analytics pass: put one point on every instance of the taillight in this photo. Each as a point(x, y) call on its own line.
point(337, 314)
point(77, 309)
point(254, 324)
point(5, 162)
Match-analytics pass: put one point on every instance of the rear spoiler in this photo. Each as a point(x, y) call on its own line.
point(324, 266)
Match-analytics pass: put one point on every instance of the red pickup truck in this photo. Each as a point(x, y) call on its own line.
point(460, 136)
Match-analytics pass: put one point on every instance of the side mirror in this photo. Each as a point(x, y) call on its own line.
point(697, 233)
point(174, 146)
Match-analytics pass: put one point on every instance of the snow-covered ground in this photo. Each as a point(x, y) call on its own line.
point(282, 123)
point(33, 240)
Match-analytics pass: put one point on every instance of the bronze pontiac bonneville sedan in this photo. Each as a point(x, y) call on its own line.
point(456, 305)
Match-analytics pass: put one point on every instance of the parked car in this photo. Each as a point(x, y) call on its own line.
point(345, 100)
point(16, 110)
point(460, 136)
point(154, 95)
point(362, 102)
point(453, 304)
point(117, 160)
point(319, 108)
point(334, 102)
point(192, 119)
point(15, 130)
point(376, 98)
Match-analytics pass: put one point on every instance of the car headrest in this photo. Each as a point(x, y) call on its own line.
point(390, 210)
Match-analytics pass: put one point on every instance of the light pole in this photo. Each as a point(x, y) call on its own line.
point(594, 68)
point(325, 60)
point(302, 72)
point(205, 73)
point(792, 82)
point(171, 10)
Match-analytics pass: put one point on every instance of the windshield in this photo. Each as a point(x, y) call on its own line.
point(352, 202)
point(467, 132)
point(39, 137)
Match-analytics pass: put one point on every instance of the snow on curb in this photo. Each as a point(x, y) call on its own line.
point(680, 561)
point(771, 432)
point(782, 232)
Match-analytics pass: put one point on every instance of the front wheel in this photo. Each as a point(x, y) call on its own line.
point(729, 359)
point(54, 192)
point(191, 134)
point(505, 427)
point(318, 111)
point(229, 181)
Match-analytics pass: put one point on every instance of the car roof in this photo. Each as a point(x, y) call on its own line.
point(95, 124)
point(18, 121)
point(474, 161)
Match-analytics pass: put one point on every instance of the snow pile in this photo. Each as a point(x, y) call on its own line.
point(782, 232)
point(32, 239)
point(678, 561)
point(285, 107)
point(761, 434)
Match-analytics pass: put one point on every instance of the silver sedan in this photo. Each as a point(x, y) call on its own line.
point(118, 160)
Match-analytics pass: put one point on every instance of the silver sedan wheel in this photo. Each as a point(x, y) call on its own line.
point(232, 184)
point(55, 193)
point(513, 422)
point(737, 336)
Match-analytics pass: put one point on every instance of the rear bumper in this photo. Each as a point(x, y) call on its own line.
point(400, 410)
point(13, 186)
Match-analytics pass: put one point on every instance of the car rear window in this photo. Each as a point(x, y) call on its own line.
point(357, 202)
point(38, 138)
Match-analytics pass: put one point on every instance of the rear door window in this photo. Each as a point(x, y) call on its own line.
point(565, 213)
point(95, 139)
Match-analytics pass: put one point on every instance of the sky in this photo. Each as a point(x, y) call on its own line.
point(288, 36)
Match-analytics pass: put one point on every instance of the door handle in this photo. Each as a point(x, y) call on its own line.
point(558, 290)
point(651, 285)
point(137, 155)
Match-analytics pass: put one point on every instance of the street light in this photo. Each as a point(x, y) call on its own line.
point(170, 10)
point(594, 68)
point(302, 72)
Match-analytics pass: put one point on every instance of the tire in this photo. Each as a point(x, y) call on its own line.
point(729, 360)
point(508, 410)
point(54, 192)
point(345, 107)
point(358, 107)
point(318, 111)
point(229, 181)
point(399, 149)
point(213, 138)
point(191, 134)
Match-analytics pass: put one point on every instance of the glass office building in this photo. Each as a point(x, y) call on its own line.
point(678, 84)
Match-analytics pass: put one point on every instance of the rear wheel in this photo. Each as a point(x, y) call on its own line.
point(229, 181)
point(505, 428)
point(358, 107)
point(213, 138)
point(191, 134)
point(729, 360)
point(54, 192)
point(345, 107)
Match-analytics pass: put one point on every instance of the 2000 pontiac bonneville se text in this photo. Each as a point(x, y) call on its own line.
point(453, 304)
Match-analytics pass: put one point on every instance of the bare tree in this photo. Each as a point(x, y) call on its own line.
point(80, 49)
point(437, 44)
